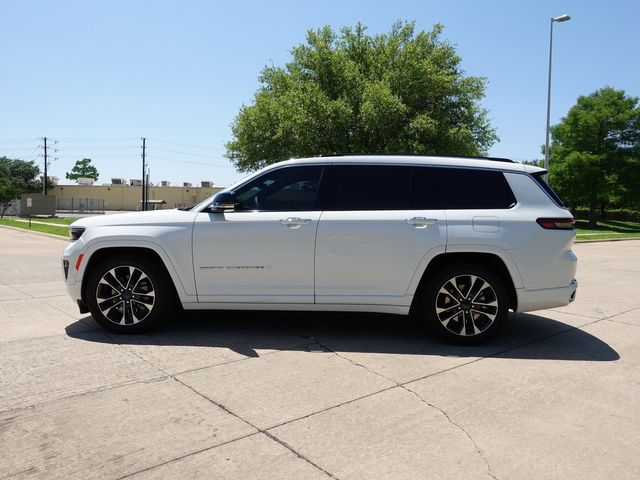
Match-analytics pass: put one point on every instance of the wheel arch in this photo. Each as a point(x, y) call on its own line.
point(106, 251)
point(490, 260)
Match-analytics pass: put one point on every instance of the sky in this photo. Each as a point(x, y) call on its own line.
point(94, 77)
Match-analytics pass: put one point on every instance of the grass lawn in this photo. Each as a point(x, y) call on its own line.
point(61, 221)
point(606, 230)
point(62, 230)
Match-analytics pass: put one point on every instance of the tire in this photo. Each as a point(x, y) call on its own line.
point(129, 293)
point(465, 304)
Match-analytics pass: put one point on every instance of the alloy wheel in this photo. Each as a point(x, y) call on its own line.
point(466, 305)
point(125, 295)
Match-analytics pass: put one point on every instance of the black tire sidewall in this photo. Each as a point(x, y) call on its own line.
point(158, 278)
point(432, 287)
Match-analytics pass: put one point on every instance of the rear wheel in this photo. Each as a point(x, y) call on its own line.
point(127, 294)
point(465, 304)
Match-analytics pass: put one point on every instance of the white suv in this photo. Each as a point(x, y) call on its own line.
point(458, 241)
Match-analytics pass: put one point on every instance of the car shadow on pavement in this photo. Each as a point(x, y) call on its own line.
point(525, 336)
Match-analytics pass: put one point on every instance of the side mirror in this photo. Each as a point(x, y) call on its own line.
point(223, 201)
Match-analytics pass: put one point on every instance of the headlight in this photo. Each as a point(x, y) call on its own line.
point(75, 233)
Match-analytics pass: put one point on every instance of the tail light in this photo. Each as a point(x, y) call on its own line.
point(556, 223)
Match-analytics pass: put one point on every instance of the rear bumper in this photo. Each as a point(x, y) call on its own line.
point(529, 300)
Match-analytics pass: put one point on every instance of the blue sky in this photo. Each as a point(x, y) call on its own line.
point(98, 75)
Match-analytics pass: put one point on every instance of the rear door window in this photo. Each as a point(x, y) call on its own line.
point(424, 189)
point(369, 187)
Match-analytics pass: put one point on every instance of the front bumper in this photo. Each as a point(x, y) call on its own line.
point(529, 300)
point(72, 280)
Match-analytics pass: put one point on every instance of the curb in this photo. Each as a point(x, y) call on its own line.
point(607, 240)
point(32, 232)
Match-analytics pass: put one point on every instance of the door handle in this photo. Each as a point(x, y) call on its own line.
point(295, 222)
point(421, 222)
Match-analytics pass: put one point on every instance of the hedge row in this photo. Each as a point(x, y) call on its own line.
point(622, 214)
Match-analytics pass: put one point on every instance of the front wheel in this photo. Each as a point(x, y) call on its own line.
point(127, 294)
point(465, 304)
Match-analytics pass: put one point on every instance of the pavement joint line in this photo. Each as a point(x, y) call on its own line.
point(298, 454)
point(396, 385)
point(260, 430)
point(293, 347)
point(182, 457)
point(41, 300)
point(404, 387)
point(14, 299)
point(458, 426)
point(570, 313)
point(99, 389)
point(230, 412)
point(622, 323)
point(32, 297)
point(43, 337)
point(433, 374)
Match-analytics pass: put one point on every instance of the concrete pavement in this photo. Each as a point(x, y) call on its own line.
point(296, 396)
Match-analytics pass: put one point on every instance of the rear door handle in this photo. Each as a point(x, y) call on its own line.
point(295, 222)
point(421, 222)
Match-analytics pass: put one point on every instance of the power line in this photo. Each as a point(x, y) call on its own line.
point(187, 144)
point(186, 153)
point(97, 139)
point(89, 148)
point(158, 157)
point(19, 140)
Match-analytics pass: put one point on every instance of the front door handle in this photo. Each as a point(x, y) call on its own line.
point(295, 222)
point(421, 222)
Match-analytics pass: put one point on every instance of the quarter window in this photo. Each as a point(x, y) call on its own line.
point(462, 188)
point(285, 189)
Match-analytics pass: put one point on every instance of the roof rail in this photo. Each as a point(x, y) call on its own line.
point(493, 159)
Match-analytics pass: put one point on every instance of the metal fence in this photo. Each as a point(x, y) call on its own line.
point(80, 205)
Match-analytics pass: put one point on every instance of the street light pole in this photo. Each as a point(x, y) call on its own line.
point(561, 18)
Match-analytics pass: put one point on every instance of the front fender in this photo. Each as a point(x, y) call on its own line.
point(173, 248)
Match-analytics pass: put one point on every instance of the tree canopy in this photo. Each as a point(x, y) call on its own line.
point(595, 152)
point(20, 173)
point(349, 92)
point(83, 169)
point(16, 177)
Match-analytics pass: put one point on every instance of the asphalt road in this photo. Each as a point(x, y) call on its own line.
point(231, 395)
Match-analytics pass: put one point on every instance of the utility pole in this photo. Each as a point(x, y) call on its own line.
point(144, 169)
point(44, 184)
point(558, 19)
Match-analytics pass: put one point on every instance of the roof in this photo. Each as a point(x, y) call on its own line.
point(482, 162)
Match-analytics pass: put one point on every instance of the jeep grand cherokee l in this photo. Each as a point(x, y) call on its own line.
point(457, 241)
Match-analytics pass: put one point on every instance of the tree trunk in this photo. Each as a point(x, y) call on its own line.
point(603, 213)
point(593, 216)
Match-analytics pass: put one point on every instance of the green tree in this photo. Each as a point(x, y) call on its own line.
point(595, 152)
point(349, 92)
point(20, 174)
point(16, 177)
point(535, 163)
point(8, 193)
point(83, 168)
